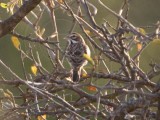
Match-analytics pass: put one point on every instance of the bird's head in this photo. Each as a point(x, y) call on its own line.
point(74, 38)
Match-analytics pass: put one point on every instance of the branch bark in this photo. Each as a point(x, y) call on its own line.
point(9, 24)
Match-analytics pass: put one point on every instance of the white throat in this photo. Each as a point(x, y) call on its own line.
point(72, 41)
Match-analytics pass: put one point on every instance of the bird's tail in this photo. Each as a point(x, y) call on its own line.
point(76, 74)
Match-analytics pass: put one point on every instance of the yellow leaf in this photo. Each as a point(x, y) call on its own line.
point(7, 95)
point(60, 1)
point(42, 117)
point(142, 31)
point(88, 31)
point(20, 2)
point(84, 75)
point(87, 57)
point(3, 5)
point(92, 88)
point(139, 46)
point(15, 42)
point(34, 69)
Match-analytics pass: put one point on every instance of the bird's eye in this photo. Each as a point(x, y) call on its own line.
point(74, 37)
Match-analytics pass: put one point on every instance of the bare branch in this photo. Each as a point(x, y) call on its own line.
point(9, 24)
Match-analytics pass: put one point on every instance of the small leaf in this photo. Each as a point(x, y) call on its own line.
point(20, 2)
point(42, 117)
point(7, 95)
point(87, 57)
point(3, 5)
point(92, 88)
point(15, 42)
point(10, 96)
point(40, 31)
point(88, 31)
point(142, 31)
point(60, 1)
point(139, 46)
point(34, 69)
point(10, 7)
point(84, 75)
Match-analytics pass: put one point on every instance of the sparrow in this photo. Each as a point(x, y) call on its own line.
point(74, 53)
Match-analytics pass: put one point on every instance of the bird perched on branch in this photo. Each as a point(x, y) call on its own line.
point(75, 51)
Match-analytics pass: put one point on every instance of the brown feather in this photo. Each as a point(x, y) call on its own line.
point(76, 48)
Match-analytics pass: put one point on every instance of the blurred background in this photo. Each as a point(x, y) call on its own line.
point(141, 13)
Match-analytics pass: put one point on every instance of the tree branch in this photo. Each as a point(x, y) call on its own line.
point(9, 24)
